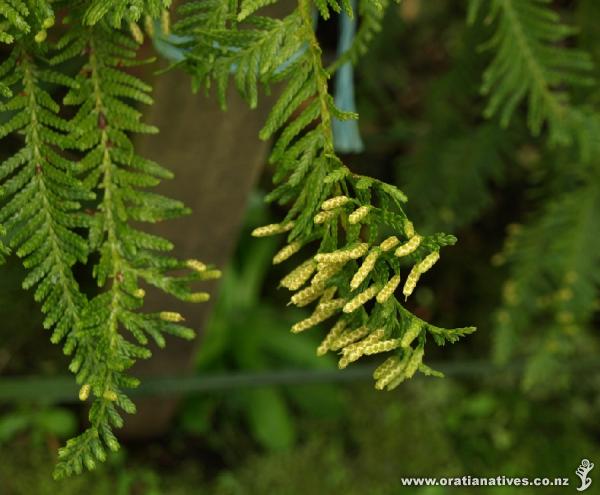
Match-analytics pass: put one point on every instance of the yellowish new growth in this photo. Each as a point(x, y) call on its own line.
point(361, 345)
point(343, 255)
point(286, 252)
point(417, 270)
point(330, 305)
point(196, 265)
point(139, 293)
point(323, 216)
point(333, 334)
point(110, 395)
point(393, 372)
point(389, 244)
point(272, 229)
point(348, 358)
point(409, 229)
point(409, 246)
point(350, 337)
point(149, 25)
point(325, 272)
point(298, 277)
point(171, 316)
point(305, 324)
point(383, 346)
point(358, 214)
point(323, 311)
point(306, 296)
point(328, 294)
point(373, 337)
point(84, 392)
point(354, 351)
point(385, 367)
point(335, 202)
point(413, 363)
point(365, 269)
point(210, 274)
point(361, 299)
point(136, 32)
point(429, 261)
point(41, 36)
point(197, 297)
point(412, 332)
point(411, 281)
point(388, 289)
point(165, 22)
point(411, 368)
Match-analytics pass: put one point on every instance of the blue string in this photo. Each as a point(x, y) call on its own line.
point(346, 134)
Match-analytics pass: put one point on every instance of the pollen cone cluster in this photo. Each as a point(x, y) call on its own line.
point(353, 287)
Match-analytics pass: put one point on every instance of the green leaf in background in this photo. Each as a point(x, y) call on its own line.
point(57, 421)
point(38, 421)
point(269, 419)
point(197, 414)
point(248, 332)
point(319, 400)
point(11, 425)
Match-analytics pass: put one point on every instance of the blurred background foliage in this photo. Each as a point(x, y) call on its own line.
point(533, 414)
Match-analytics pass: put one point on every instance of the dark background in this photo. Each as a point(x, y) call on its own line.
point(498, 412)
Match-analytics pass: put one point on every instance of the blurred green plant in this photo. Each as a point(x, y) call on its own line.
point(247, 333)
point(38, 422)
point(529, 167)
point(416, 431)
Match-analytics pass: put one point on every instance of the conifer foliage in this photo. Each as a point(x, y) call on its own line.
point(355, 238)
point(77, 190)
point(43, 195)
point(59, 210)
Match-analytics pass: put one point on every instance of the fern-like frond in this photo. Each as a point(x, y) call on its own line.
point(22, 18)
point(206, 14)
point(42, 192)
point(117, 12)
point(14, 14)
point(532, 64)
point(215, 51)
point(4, 251)
point(128, 256)
point(351, 229)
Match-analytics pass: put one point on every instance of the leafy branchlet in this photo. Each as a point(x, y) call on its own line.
point(352, 228)
point(52, 200)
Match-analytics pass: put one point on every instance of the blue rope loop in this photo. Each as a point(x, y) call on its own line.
point(346, 134)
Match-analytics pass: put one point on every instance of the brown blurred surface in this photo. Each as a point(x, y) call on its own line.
point(216, 157)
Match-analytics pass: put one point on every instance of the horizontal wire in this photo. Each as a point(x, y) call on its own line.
point(64, 389)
